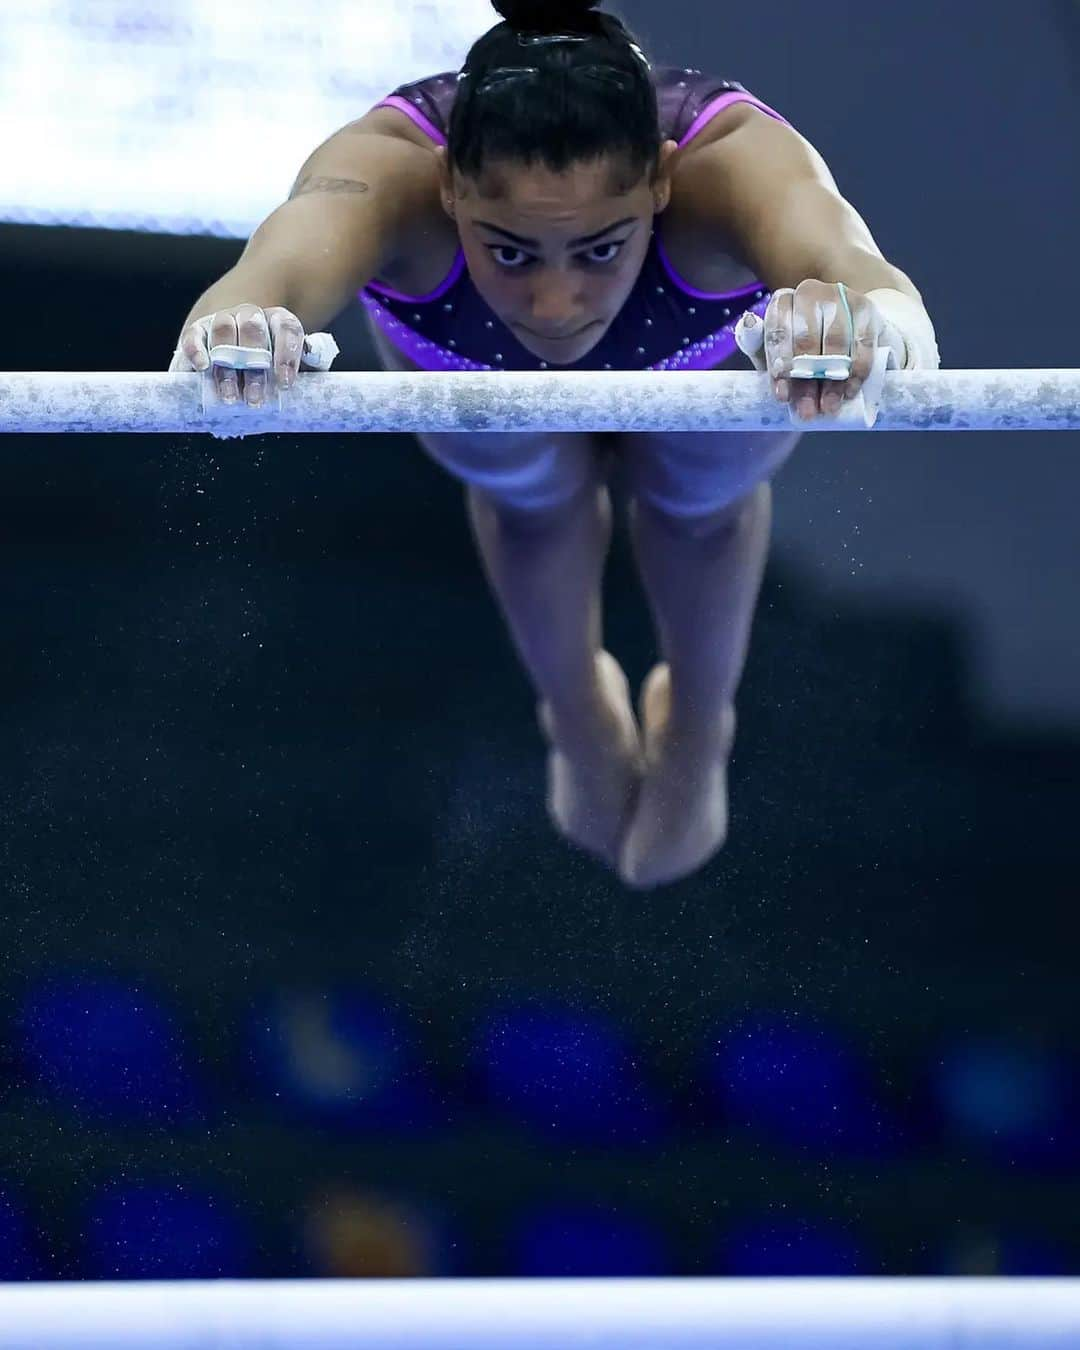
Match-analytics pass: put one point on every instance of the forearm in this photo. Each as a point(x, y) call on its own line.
point(815, 234)
point(243, 284)
point(908, 326)
point(864, 271)
point(310, 256)
point(266, 283)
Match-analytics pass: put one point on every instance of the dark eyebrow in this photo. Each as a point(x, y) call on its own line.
point(573, 243)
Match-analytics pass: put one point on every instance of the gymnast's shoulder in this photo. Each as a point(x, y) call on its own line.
point(389, 168)
point(754, 188)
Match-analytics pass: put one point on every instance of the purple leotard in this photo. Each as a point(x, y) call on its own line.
point(665, 324)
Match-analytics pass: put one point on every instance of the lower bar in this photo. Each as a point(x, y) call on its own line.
point(659, 1314)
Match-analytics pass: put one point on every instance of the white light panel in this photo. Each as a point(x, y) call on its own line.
point(193, 116)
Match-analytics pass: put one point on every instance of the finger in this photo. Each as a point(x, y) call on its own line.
point(868, 328)
point(778, 341)
point(837, 340)
point(193, 345)
point(808, 336)
point(253, 331)
point(223, 334)
point(288, 344)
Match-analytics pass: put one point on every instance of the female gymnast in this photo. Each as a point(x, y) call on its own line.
point(559, 203)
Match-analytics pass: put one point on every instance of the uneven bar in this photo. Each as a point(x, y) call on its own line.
point(386, 401)
point(579, 1314)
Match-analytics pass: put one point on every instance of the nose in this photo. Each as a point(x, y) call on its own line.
point(557, 306)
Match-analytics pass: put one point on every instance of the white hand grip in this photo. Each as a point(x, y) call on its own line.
point(750, 338)
point(866, 403)
point(320, 351)
point(241, 358)
point(862, 408)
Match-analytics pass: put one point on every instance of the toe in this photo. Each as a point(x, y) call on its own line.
point(631, 874)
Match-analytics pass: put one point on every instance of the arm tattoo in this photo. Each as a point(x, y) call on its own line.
point(311, 183)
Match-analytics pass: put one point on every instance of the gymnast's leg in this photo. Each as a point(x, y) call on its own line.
point(700, 525)
point(545, 567)
point(540, 514)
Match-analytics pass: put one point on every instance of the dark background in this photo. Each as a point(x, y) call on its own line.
point(297, 977)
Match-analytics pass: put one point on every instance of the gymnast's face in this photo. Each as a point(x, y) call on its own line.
point(555, 255)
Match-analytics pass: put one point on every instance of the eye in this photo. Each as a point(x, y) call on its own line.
point(496, 249)
point(522, 259)
point(616, 244)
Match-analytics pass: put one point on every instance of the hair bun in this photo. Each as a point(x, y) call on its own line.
point(543, 16)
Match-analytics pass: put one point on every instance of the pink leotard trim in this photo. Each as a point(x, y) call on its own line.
point(411, 110)
point(705, 116)
point(719, 104)
point(429, 129)
point(704, 355)
point(456, 268)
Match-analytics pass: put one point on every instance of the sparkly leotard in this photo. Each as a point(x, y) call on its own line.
point(665, 324)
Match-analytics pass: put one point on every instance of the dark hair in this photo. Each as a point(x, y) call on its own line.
point(555, 84)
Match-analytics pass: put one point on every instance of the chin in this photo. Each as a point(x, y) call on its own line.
point(562, 353)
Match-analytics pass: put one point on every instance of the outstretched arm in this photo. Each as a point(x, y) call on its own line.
point(764, 185)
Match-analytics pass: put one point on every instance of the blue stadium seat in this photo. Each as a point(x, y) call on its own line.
point(799, 1083)
point(107, 1048)
point(792, 1247)
point(19, 1259)
point(568, 1075)
point(1012, 1101)
point(163, 1231)
point(555, 1240)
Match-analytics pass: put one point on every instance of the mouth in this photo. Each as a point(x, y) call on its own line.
point(568, 337)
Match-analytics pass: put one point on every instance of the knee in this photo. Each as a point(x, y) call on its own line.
point(701, 482)
point(519, 475)
point(737, 516)
point(532, 513)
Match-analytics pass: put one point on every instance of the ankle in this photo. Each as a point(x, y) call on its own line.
point(580, 705)
point(578, 717)
point(702, 721)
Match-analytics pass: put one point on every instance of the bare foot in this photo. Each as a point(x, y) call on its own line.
point(594, 769)
point(681, 816)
